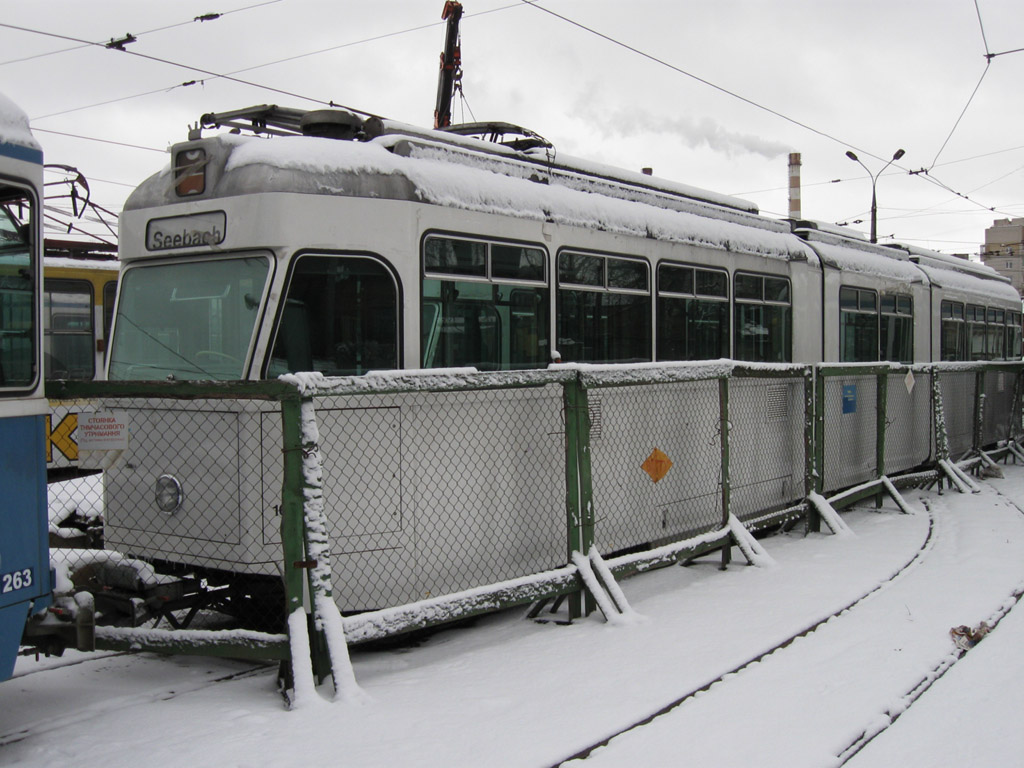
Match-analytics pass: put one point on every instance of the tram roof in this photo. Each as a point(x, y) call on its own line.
point(460, 172)
point(15, 131)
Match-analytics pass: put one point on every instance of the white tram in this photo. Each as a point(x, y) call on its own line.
point(402, 248)
point(346, 246)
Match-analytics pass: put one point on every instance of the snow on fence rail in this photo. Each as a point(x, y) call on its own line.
point(408, 499)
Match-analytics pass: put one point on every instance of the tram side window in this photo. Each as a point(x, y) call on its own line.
point(953, 337)
point(763, 318)
point(1013, 336)
point(340, 317)
point(485, 305)
point(17, 279)
point(68, 334)
point(604, 309)
point(995, 346)
point(858, 325)
point(693, 313)
point(897, 328)
point(977, 333)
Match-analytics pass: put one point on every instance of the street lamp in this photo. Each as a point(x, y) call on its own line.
point(874, 178)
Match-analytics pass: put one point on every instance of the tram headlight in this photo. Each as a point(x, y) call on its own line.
point(169, 495)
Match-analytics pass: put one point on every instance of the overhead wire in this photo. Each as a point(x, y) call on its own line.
point(95, 138)
point(275, 62)
point(923, 173)
point(201, 19)
point(189, 67)
point(699, 79)
point(988, 63)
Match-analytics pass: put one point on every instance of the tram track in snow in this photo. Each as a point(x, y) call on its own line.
point(50, 724)
point(731, 675)
point(921, 686)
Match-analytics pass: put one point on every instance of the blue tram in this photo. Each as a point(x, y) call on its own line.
point(25, 581)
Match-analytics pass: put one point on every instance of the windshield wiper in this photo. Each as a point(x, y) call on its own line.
point(174, 352)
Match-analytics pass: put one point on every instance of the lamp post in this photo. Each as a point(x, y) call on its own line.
point(874, 178)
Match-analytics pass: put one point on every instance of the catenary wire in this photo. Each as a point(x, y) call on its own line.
point(201, 18)
point(923, 173)
point(287, 59)
point(189, 67)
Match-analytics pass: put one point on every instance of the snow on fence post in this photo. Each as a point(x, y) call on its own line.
point(723, 428)
point(939, 420)
point(1013, 431)
point(811, 469)
point(292, 545)
point(330, 651)
point(979, 410)
point(579, 499)
point(818, 440)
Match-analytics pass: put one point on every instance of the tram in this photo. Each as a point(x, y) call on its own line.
point(404, 248)
point(25, 586)
point(329, 243)
point(80, 280)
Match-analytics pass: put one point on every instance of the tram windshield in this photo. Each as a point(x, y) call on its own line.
point(17, 281)
point(188, 320)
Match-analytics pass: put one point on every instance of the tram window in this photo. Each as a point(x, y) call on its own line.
point(496, 318)
point(711, 283)
point(340, 318)
point(627, 274)
point(995, 346)
point(897, 328)
point(858, 325)
point(953, 331)
point(455, 257)
point(693, 313)
point(189, 319)
point(581, 269)
point(68, 338)
point(17, 279)
point(1013, 336)
point(977, 332)
point(604, 309)
point(517, 263)
point(763, 318)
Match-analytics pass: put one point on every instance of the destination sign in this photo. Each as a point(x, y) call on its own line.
point(186, 231)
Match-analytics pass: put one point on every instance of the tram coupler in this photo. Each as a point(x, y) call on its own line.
point(69, 622)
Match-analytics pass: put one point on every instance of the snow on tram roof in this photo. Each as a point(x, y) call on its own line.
point(14, 128)
point(506, 183)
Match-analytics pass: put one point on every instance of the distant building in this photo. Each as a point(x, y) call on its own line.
point(1004, 250)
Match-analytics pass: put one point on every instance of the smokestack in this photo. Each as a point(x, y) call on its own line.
point(794, 186)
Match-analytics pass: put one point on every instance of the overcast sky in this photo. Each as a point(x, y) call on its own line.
point(714, 94)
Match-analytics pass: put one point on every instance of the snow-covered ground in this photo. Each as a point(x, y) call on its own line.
point(510, 692)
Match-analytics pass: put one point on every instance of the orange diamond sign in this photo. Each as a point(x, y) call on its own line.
point(657, 465)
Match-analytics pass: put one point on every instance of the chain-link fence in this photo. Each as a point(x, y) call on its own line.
point(434, 485)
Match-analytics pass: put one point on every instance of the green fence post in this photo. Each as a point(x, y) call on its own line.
point(810, 468)
point(939, 423)
point(1014, 426)
point(979, 411)
point(723, 428)
point(578, 491)
point(292, 544)
point(881, 408)
point(813, 518)
point(315, 544)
